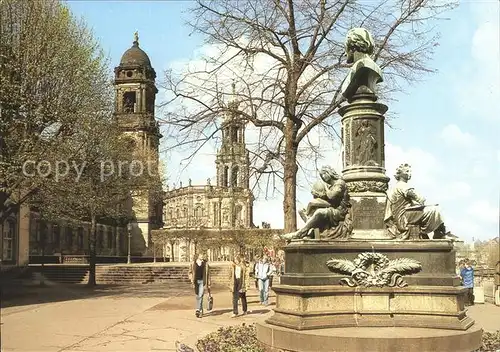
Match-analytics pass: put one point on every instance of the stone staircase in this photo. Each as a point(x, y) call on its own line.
point(129, 275)
point(64, 274)
point(117, 274)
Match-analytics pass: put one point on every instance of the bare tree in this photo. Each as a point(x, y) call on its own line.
point(287, 60)
point(52, 73)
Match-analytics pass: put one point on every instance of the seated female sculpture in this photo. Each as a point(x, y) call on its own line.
point(329, 210)
point(405, 207)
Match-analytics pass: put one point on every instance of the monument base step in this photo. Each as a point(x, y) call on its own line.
point(356, 339)
point(318, 307)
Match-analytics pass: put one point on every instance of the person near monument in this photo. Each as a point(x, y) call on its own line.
point(272, 263)
point(467, 276)
point(199, 274)
point(461, 266)
point(256, 261)
point(329, 207)
point(239, 282)
point(262, 273)
point(406, 207)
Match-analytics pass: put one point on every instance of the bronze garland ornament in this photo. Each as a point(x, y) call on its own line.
point(374, 270)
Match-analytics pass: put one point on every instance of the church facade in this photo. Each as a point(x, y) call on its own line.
point(226, 204)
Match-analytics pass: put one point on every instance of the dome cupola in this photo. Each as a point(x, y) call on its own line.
point(135, 56)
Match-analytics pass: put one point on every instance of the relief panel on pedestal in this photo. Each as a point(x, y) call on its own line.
point(366, 143)
point(347, 143)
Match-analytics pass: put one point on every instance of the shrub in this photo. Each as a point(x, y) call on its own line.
point(241, 338)
point(491, 341)
point(244, 339)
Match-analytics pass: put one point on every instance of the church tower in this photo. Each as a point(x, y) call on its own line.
point(232, 163)
point(135, 94)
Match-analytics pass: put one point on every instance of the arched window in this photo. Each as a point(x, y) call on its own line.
point(109, 238)
point(56, 236)
point(9, 235)
point(225, 176)
point(44, 232)
point(100, 237)
point(80, 238)
point(234, 177)
point(69, 237)
point(234, 134)
point(129, 102)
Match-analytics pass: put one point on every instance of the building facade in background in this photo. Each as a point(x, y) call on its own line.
point(227, 204)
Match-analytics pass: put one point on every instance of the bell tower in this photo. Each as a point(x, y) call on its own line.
point(232, 162)
point(135, 93)
point(233, 158)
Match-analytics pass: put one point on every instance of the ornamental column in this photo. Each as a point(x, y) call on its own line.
point(363, 139)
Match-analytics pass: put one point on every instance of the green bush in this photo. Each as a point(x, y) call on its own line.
point(491, 342)
point(244, 339)
point(241, 338)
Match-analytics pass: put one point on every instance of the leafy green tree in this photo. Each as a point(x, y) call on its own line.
point(52, 74)
point(105, 177)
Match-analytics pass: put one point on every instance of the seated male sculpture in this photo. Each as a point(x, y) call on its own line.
point(364, 73)
point(328, 211)
point(406, 208)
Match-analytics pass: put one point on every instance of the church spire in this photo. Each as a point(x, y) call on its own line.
point(136, 38)
point(233, 104)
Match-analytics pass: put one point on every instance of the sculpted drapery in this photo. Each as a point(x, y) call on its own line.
point(406, 207)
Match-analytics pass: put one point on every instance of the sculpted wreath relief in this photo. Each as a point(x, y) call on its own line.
point(374, 269)
point(364, 186)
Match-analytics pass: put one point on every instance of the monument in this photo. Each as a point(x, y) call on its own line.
point(372, 269)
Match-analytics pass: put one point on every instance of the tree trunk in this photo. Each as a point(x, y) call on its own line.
point(92, 251)
point(290, 178)
point(172, 251)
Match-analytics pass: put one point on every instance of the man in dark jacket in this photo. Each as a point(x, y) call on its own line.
point(199, 274)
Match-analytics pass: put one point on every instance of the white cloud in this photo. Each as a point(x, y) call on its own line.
point(424, 165)
point(464, 228)
point(453, 136)
point(482, 210)
point(479, 86)
point(457, 189)
point(479, 169)
point(201, 167)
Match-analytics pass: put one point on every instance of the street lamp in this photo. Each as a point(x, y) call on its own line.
point(129, 229)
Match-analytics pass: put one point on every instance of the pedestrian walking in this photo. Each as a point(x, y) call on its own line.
point(263, 271)
point(239, 282)
point(467, 276)
point(199, 274)
point(272, 273)
point(257, 260)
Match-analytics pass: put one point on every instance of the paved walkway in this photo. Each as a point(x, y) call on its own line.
point(139, 318)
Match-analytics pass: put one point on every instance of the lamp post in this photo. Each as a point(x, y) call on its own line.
point(129, 229)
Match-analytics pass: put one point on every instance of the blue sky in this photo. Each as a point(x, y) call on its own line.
point(447, 126)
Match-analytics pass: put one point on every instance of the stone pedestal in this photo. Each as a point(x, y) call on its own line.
point(314, 312)
point(361, 339)
point(364, 164)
